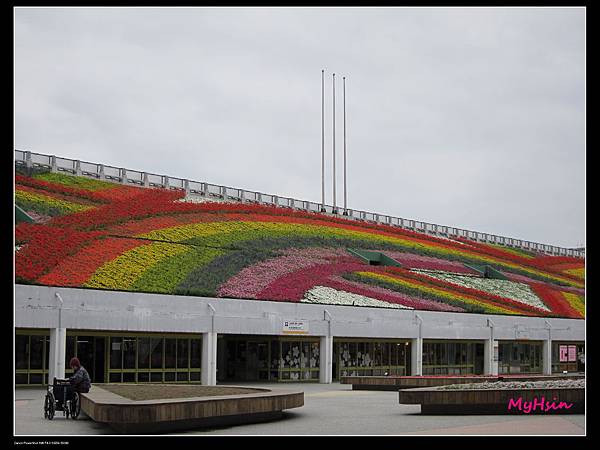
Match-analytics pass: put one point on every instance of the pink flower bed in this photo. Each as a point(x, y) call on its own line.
point(249, 282)
point(293, 286)
point(412, 261)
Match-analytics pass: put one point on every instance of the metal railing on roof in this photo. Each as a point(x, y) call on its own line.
point(214, 191)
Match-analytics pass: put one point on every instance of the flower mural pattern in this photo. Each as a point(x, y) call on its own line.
point(103, 235)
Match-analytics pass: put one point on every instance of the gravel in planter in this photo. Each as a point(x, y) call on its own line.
point(550, 384)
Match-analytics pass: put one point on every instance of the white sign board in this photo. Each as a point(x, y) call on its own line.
point(295, 326)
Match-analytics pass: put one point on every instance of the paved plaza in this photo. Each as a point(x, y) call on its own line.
point(329, 409)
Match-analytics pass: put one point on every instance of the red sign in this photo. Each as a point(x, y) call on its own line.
point(572, 353)
point(563, 350)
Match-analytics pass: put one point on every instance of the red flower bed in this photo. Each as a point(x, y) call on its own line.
point(79, 267)
point(46, 247)
point(554, 260)
point(151, 202)
point(119, 193)
point(555, 301)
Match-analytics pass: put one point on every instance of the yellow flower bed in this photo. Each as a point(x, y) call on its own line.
point(45, 201)
point(577, 302)
point(122, 272)
point(580, 272)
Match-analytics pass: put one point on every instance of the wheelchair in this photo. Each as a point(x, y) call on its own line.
point(61, 396)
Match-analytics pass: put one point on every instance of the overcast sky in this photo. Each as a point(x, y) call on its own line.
point(468, 117)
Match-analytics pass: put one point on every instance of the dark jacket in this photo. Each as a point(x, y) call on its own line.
point(80, 380)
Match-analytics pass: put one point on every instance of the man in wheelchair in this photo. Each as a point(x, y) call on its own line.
point(63, 395)
point(80, 381)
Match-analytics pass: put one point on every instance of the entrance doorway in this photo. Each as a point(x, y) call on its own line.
point(244, 359)
point(90, 352)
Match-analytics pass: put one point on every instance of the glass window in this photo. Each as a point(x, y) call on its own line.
point(182, 353)
point(36, 357)
point(21, 352)
point(403, 354)
point(315, 355)
point(275, 363)
point(195, 376)
point(353, 361)
point(169, 376)
point(70, 350)
point(285, 354)
point(156, 377)
point(129, 352)
point(295, 355)
point(114, 377)
point(385, 354)
point(128, 377)
point(454, 353)
point(182, 376)
point(156, 357)
point(21, 378)
point(305, 355)
point(47, 363)
point(170, 353)
point(144, 353)
point(196, 353)
point(35, 378)
point(116, 344)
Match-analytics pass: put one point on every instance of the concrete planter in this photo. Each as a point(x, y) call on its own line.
point(165, 415)
point(496, 401)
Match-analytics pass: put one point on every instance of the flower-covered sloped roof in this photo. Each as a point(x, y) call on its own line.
point(100, 235)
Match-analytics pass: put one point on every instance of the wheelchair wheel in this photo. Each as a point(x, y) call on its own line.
point(75, 406)
point(49, 406)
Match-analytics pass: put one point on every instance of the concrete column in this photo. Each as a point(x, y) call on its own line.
point(416, 356)
point(490, 357)
point(547, 357)
point(101, 171)
point(28, 161)
point(53, 166)
point(123, 176)
point(186, 186)
point(146, 182)
point(326, 360)
point(58, 351)
point(78, 168)
point(209, 358)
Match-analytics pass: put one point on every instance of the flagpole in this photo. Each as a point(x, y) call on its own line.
point(345, 192)
point(334, 205)
point(322, 140)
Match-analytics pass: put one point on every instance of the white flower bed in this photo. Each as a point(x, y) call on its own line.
point(198, 199)
point(330, 296)
point(519, 292)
